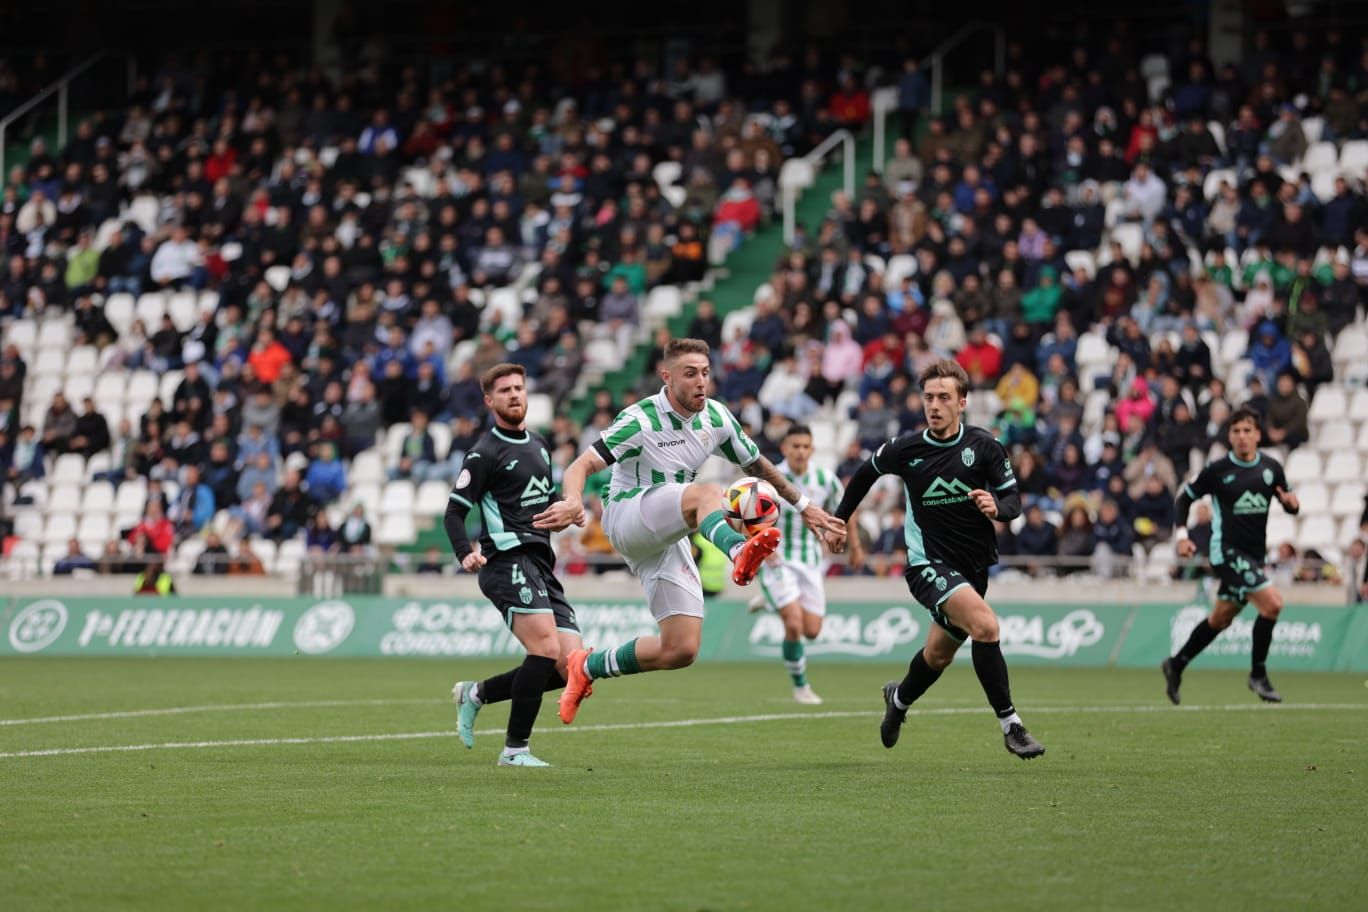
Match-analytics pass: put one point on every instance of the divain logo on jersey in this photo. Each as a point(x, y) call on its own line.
point(943, 491)
point(1251, 502)
point(538, 491)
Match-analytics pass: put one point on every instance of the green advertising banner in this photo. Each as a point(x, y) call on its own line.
point(1309, 638)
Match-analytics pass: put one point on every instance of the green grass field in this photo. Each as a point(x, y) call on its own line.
point(701, 789)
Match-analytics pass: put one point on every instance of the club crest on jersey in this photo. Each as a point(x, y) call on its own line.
point(525, 593)
point(704, 436)
point(1268, 476)
point(967, 455)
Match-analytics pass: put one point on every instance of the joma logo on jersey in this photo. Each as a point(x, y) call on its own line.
point(1251, 502)
point(941, 492)
point(538, 490)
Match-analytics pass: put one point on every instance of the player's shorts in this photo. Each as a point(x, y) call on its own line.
point(933, 583)
point(523, 581)
point(785, 582)
point(650, 533)
point(1240, 576)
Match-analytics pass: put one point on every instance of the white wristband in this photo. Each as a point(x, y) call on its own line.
point(1181, 533)
point(802, 502)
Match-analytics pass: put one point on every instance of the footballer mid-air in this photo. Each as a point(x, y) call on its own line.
point(656, 448)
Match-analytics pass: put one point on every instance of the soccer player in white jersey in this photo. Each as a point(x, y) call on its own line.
point(656, 448)
point(791, 578)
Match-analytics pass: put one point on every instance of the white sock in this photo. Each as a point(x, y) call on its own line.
point(898, 703)
point(1008, 722)
point(510, 751)
point(735, 550)
point(474, 694)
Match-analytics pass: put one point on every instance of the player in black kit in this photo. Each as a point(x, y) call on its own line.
point(507, 474)
point(1242, 485)
point(957, 478)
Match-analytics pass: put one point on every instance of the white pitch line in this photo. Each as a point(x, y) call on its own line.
point(675, 723)
point(213, 707)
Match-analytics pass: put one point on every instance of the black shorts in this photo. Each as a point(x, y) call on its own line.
point(523, 581)
point(1239, 575)
point(932, 583)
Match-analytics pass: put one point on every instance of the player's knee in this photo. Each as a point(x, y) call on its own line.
point(1220, 620)
point(938, 660)
point(1272, 605)
point(678, 656)
point(812, 627)
point(548, 647)
point(983, 627)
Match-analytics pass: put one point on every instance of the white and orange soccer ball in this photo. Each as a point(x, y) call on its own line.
point(751, 505)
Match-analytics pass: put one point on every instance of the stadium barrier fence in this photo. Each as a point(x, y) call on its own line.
point(1141, 634)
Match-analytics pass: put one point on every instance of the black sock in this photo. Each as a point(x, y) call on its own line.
point(920, 676)
point(991, 669)
point(1263, 638)
point(500, 687)
point(528, 686)
point(1201, 638)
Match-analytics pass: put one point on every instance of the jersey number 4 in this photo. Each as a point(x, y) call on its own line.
point(519, 579)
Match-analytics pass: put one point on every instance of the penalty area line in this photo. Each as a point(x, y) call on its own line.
point(674, 723)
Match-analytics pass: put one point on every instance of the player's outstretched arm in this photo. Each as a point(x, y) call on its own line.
point(569, 510)
point(814, 517)
point(1182, 505)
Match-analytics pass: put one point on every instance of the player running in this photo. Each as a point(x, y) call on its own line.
point(957, 478)
point(656, 448)
point(1241, 485)
point(508, 474)
point(791, 578)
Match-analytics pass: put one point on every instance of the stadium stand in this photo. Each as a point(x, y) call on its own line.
point(233, 305)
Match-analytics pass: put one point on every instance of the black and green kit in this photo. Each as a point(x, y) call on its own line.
point(507, 474)
point(1241, 493)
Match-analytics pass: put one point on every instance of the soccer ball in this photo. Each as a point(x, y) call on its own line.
point(751, 505)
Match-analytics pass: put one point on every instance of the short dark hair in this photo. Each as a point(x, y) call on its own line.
point(945, 369)
point(1245, 413)
point(497, 373)
point(676, 347)
point(797, 430)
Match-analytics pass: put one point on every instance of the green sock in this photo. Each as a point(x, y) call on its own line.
point(611, 663)
point(715, 529)
point(795, 661)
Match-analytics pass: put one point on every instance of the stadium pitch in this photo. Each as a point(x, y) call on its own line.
point(340, 784)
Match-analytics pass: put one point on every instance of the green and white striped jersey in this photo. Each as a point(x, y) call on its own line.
point(801, 545)
point(649, 443)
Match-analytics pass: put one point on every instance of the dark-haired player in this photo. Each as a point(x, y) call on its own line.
point(957, 479)
point(791, 579)
point(1242, 485)
point(507, 473)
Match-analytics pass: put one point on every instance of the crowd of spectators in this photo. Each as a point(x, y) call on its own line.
point(348, 236)
point(966, 247)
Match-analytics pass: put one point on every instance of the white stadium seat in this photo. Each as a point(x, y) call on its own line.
point(50, 362)
point(83, 359)
point(367, 468)
point(1314, 497)
point(23, 334)
point(55, 334)
point(398, 497)
point(1347, 499)
point(141, 389)
point(1330, 403)
point(1343, 466)
point(98, 498)
point(396, 529)
point(68, 469)
point(150, 308)
point(1351, 347)
point(432, 498)
point(60, 527)
point(1304, 465)
point(368, 495)
point(118, 310)
point(1317, 532)
point(1336, 434)
point(64, 498)
point(1358, 406)
point(1353, 158)
point(1319, 157)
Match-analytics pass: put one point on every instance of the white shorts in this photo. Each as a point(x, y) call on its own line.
point(650, 533)
point(785, 582)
